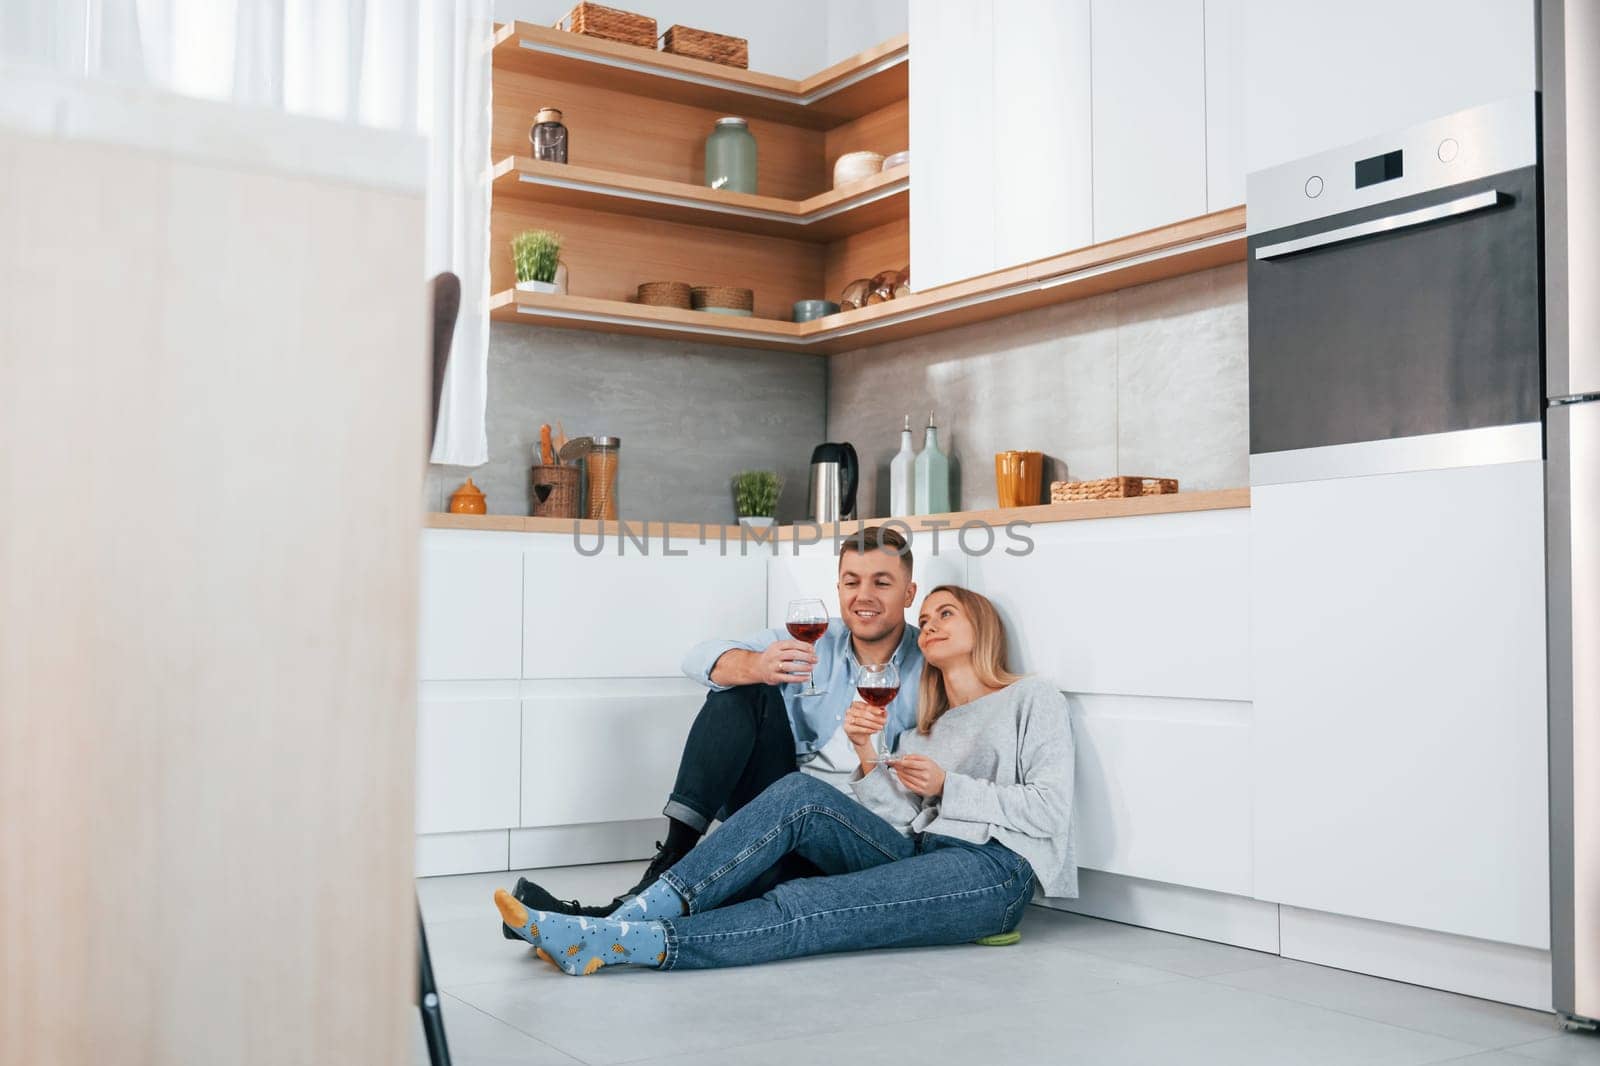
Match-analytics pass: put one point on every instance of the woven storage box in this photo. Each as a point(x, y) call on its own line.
point(1110, 488)
point(666, 294)
point(554, 491)
point(705, 296)
point(611, 24)
point(703, 44)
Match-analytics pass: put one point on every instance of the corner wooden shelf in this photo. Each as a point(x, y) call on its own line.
point(1168, 251)
point(882, 199)
point(844, 92)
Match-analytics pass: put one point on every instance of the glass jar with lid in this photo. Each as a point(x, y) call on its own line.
point(549, 136)
point(601, 469)
point(731, 156)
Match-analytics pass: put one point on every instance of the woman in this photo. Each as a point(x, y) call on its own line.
point(943, 846)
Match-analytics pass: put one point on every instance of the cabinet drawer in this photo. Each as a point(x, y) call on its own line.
point(471, 610)
point(467, 764)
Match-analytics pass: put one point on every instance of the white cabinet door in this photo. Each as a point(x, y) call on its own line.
point(1042, 199)
point(1225, 102)
point(471, 607)
point(634, 616)
point(602, 751)
point(1149, 115)
point(468, 772)
point(952, 140)
point(1399, 668)
point(1319, 75)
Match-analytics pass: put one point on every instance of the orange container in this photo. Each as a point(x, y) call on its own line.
point(1018, 478)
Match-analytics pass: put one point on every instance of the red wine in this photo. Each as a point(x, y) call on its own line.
point(879, 696)
point(810, 632)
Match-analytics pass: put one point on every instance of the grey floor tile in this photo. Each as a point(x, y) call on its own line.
point(1186, 1021)
point(1490, 1058)
point(1163, 951)
point(471, 951)
point(1473, 1021)
point(1569, 1049)
point(476, 1039)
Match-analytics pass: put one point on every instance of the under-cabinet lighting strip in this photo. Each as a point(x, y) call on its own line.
point(892, 189)
point(715, 83)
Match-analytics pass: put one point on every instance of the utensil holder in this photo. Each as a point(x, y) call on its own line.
point(554, 491)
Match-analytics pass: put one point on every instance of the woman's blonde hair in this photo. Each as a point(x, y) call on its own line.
point(989, 656)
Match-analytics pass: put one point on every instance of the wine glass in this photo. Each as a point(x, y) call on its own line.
point(808, 620)
point(879, 684)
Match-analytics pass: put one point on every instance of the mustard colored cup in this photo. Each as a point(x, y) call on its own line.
point(1018, 477)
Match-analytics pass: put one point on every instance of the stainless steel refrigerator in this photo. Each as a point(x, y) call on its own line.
point(1570, 100)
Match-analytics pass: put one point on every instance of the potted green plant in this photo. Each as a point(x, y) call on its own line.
point(537, 255)
point(755, 496)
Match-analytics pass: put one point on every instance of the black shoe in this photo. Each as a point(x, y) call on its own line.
point(535, 897)
point(664, 861)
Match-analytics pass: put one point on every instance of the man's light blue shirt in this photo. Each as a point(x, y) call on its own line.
point(814, 719)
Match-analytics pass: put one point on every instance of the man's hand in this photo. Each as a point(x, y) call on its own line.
point(920, 774)
point(782, 663)
point(861, 721)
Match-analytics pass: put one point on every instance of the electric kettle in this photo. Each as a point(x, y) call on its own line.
point(834, 476)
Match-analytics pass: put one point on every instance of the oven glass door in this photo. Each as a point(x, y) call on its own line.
point(1413, 317)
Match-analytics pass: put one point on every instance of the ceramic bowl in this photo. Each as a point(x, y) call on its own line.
point(809, 310)
point(899, 159)
point(856, 166)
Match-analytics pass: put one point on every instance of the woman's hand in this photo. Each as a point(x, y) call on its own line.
point(919, 774)
point(861, 721)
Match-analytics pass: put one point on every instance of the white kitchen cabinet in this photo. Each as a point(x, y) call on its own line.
point(1399, 670)
point(1225, 103)
point(1154, 605)
point(1149, 93)
point(602, 751)
point(1042, 198)
point(634, 615)
point(952, 109)
point(468, 768)
point(471, 607)
point(1317, 75)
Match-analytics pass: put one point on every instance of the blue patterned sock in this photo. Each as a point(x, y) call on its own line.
point(580, 946)
point(660, 900)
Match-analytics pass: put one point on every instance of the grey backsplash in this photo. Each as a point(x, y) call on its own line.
point(1149, 380)
point(690, 416)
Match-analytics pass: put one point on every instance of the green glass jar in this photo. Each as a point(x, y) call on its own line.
point(731, 156)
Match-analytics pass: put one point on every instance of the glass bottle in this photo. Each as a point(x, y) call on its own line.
point(731, 156)
point(933, 475)
point(900, 467)
point(549, 136)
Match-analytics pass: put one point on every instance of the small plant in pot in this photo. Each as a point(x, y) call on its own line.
point(537, 255)
point(755, 496)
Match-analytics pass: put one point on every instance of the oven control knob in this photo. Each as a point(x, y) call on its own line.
point(1314, 186)
point(1448, 149)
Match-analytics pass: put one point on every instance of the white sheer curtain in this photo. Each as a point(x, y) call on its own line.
point(418, 65)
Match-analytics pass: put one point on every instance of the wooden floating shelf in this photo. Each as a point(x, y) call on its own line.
point(827, 216)
point(1168, 251)
point(844, 92)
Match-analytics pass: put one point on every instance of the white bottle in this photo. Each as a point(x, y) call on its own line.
point(900, 495)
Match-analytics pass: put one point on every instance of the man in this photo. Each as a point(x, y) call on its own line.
point(757, 725)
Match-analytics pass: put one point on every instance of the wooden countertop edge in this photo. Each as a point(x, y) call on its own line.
point(690, 532)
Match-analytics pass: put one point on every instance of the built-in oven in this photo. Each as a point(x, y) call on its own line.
point(1394, 287)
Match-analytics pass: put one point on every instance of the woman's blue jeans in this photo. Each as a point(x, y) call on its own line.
point(882, 889)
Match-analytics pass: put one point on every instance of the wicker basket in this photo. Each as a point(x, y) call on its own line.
point(1110, 488)
point(611, 24)
point(703, 44)
point(554, 491)
point(666, 294)
point(704, 296)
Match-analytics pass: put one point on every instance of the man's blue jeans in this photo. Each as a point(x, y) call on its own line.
point(882, 889)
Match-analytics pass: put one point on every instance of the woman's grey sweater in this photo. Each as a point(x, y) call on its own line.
point(1008, 763)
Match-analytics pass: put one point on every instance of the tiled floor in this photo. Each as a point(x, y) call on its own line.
point(1076, 990)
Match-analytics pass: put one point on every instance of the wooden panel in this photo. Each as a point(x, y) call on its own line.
point(603, 751)
point(207, 689)
point(1146, 606)
point(1149, 114)
point(827, 216)
point(861, 255)
point(1420, 676)
point(619, 131)
point(614, 316)
point(885, 131)
point(608, 256)
point(471, 612)
point(467, 763)
point(853, 87)
point(646, 611)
